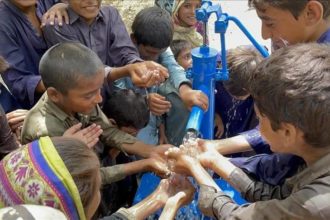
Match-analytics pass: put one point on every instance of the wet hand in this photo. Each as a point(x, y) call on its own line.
point(179, 161)
point(147, 73)
point(158, 166)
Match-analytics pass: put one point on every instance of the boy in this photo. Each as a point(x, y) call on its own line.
point(73, 76)
point(22, 45)
point(285, 22)
point(153, 44)
point(291, 90)
point(102, 30)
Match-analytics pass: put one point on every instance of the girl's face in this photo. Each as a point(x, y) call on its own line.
point(186, 13)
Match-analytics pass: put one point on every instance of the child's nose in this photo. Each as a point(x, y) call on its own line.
point(98, 98)
point(265, 32)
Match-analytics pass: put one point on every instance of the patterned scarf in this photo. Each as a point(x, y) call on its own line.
point(35, 174)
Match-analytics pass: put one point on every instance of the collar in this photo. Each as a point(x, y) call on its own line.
point(73, 16)
point(52, 108)
point(325, 37)
point(312, 172)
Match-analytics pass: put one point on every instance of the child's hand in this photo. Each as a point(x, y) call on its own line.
point(58, 11)
point(192, 97)
point(209, 154)
point(180, 162)
point(158, 104)
point(16, 118)
point(219, 125)
point(177, 187)
point(147, 73)
point(158, 166)
point(89, 135)
point(183, 190)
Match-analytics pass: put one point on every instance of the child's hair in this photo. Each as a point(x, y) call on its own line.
point(63, 64)
point(242, 61)
point(83, 165)
point(178, 45)
point(293, 86)
point(3, 65)
point(127, 108)
point(294, 6)
point(153, 27)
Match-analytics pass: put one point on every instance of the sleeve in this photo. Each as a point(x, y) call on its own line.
point(121, 49)
point(296, 206)
point(22, 83)
point(177, 73)
point(55, 34)
point(121, 214)
point(258, 144)
point(111, 136)
point(112, 174)
point(7, 139)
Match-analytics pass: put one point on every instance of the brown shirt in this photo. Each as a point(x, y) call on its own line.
point(304, 196)
point(47, 119)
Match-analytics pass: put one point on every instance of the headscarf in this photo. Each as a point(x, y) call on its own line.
point(36, 174)
point(184, 33)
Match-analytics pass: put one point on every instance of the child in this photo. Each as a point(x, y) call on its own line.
point(73, 93)
point(63, 173)
point(22, 45)
point(182, 53)
point(153, 44)
point(108, 38)
point(285, 22)
point(291, 90)
point(185, 22)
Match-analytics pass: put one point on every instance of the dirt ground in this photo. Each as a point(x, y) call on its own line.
point(129, 8)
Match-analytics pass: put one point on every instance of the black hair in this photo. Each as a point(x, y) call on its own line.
point(127, 108)
point(178, 45)
point(153, 27)
point(62, 65)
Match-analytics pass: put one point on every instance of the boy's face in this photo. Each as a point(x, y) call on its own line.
point(87, 9)
point(272, 137)
point(282, 27)
point(149, 53)
point(184, 58)
point(84, 97)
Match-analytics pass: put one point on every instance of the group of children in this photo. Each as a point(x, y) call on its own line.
point(85, 82)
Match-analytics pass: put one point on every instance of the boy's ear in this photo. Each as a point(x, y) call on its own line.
point(313, 12)
point(291, 134)
point(53, 94)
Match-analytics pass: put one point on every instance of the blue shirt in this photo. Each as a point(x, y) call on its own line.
point(106, 36)
point(22, 47)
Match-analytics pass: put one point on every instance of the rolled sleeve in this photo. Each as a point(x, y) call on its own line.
point(257, 143)
point(112, 174)
point(177, 73)
point(111, 136)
